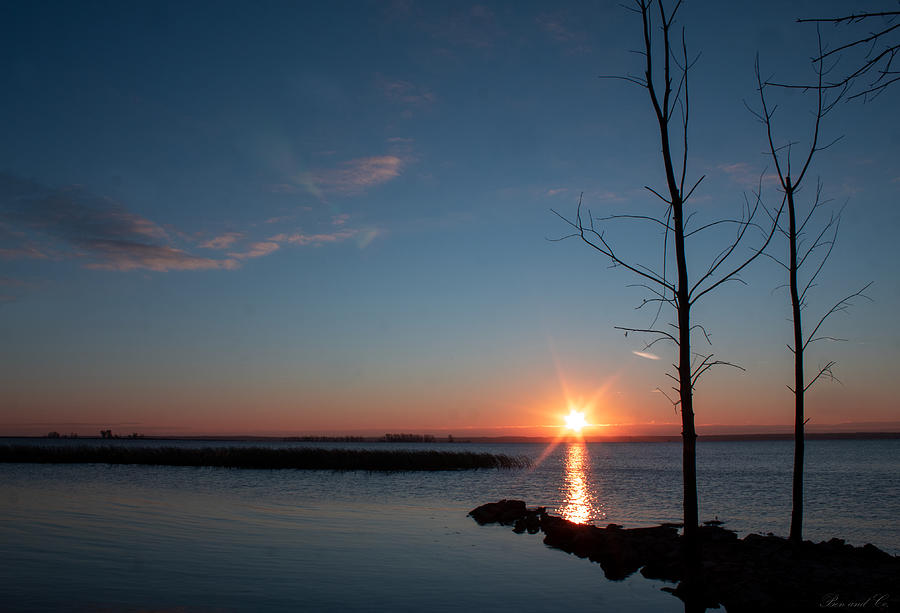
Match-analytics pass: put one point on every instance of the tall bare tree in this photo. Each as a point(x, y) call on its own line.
point(807, 249)
point(665, 78)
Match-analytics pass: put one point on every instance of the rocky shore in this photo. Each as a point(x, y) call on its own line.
point(756, 573)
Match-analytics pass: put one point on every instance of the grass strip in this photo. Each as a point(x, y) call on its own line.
point(261, 457)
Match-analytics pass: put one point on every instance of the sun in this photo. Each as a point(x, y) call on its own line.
point(575, 421)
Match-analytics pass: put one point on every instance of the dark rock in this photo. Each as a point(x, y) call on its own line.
point(502, 512)
point(716, 534)
point(755, 573)
point(873, 553)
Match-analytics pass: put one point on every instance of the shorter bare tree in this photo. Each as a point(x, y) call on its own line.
point(808, 249)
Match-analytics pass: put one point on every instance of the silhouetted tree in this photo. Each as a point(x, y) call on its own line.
point(670, 285)
point(877, 48)
point(807, 250)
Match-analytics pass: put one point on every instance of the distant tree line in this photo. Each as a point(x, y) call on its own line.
point(412, 438)
point(387, 438)
point(325, 439)
point(109, 434)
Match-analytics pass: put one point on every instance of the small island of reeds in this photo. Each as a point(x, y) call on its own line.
point(262, 457)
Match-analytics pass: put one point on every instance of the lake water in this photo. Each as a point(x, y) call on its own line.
point(140, 538)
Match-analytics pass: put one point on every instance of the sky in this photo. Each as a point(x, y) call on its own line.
point(325, 218)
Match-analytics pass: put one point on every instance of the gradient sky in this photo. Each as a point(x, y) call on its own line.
point(329, 217)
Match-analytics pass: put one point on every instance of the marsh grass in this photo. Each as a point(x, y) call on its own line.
point(262, 457)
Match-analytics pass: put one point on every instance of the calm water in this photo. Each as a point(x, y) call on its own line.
point(110, 538)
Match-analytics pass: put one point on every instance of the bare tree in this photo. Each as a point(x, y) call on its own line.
point(668, 283)
point(808, 249)
point(875, 51)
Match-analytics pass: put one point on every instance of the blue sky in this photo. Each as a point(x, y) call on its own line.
point(267, 217)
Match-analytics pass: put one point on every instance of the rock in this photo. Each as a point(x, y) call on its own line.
point(502, 512)
point(716, 534)
point(755, 573)
point(873, 553)
point(530, 522)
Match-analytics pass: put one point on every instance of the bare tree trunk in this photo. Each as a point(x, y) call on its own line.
point(685, 385)
point(669, 105)
point(682, 284)
point(796, 534)
point(798, 254)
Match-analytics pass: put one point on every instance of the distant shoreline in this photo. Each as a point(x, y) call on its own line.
point(257, 457)
point(673, 438)
point(670, 438)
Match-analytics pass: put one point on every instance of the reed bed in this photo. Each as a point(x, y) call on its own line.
point(262, 457)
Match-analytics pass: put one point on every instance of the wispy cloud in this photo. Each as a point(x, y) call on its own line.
point(257, 250)
point(405, 92)
point(23, 252)
point(223, 241)
point(557, 191)
point(355, 176)
point(73, 223)
point(101, 234)
point(559, 28)
point(124, 255)
point(645, 354)
point(300, 238)
point(284, 218)
point(349, 177)
point(70, 213)
point(555, 27)
point(745, 174)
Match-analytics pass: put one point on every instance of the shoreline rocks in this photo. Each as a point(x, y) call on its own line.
point(750, 574)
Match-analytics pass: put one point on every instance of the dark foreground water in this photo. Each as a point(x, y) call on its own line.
point(139, 538)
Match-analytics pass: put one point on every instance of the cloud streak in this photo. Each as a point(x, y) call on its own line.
point(558, 28)
point(350, 177)
point(745, 174)
point(73, 223)
point(124, 255)
point(314, 239)
point(405, 92)
point(223, 241)
point(355, 176)
point(257, 250)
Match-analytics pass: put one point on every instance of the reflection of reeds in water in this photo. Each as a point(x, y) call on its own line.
point(261, 457)
point(580, 503)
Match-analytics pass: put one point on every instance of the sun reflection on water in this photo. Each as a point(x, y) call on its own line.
point(580, 502)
